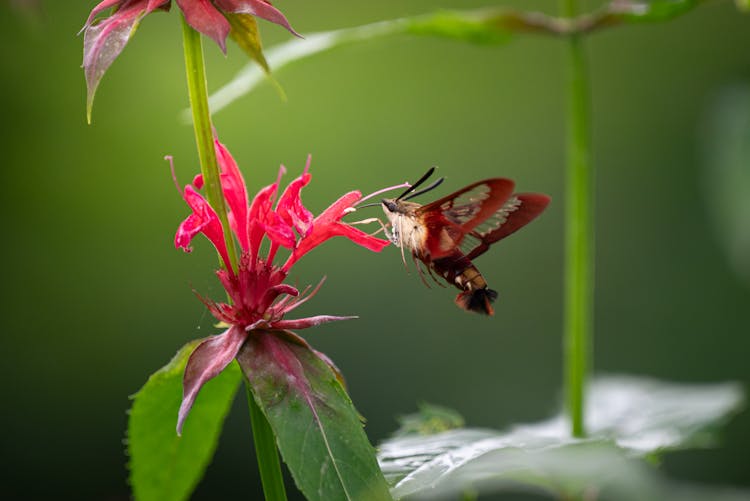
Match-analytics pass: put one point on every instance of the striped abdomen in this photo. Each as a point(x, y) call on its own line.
point(458, 270)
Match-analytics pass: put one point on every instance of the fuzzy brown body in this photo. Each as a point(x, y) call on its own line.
point(426, 237)
point(474, 217)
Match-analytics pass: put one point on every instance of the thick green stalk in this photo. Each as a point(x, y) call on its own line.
point(579, 230)
point(204, 135)
point(265, 449)
point(265, 442)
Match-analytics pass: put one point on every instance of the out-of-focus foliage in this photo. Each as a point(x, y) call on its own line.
point(489, 26)
point(627, 417)
point(429, 420)
point(726, 148)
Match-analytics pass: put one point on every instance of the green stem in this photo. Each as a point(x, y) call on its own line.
point(204, 135)
point(579, 229)
point(265, 449)
point(265, 442)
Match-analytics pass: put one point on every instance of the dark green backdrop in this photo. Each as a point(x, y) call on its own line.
point(95, 297)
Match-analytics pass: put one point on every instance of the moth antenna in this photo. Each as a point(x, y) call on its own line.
point(425, 190)
point(418, 183)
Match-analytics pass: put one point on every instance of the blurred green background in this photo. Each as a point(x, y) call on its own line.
point(95, 297)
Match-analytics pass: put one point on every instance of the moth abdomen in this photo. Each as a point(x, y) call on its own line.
point(478, 301)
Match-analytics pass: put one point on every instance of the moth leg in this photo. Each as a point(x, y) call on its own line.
point(400, 240)
point(417, 264)
point(434, 278)
point(374, 220)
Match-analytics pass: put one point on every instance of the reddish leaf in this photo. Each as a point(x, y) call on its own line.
point(104, 41)
point(205, 18)
point(205, 363)
point(317, 428)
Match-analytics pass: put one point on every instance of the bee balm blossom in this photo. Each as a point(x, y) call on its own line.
point(259, 298)
point(103, 40)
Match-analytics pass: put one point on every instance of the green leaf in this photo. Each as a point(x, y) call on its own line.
point(646, 415)
point(743, 5)
point(480, 26)
point(653, 11)
point(162, 465)
point(450, 463)
point(725, 141)
point(429, 420)
point(466, 27)
point(245, 33)
point(627, 418)
point(318, 430)
point(474, 26)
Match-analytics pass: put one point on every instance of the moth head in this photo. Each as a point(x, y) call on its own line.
point(390, 205)
point(392, 208)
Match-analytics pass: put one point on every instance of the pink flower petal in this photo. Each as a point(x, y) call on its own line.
point(303, 323)
point(273, 292)
point(328, 225)
point(290, 207)
point(256, 215)
point(102, 6)
point(204, 17)
point(257, 8)
point(279, 231)
point(235, 193)
point(205, 363)
point(287, 304)
point(202, 220)
point(198, 181)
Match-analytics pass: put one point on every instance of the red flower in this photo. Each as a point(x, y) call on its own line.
point(104, 40)
point(259, 297)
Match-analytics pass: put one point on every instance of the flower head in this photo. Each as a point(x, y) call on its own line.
point(105, 38)
point(259, 298)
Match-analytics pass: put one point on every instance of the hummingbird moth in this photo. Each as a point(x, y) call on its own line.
point(445, 236)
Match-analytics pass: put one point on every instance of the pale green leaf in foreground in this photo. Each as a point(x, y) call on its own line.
point(163, 466)
point(474, 27)
point(492, 25)
point(627, 418)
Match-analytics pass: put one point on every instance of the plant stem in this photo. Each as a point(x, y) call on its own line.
point(265, 449)
point(579, 229)
point(204, 135)
point(265, 442)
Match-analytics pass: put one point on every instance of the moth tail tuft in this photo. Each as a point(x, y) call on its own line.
point(478, 301)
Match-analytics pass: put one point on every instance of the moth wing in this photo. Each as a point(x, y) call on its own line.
point(471, 205)
point(518, 211)
point(452, 217)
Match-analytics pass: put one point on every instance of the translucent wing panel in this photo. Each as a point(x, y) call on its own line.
point(466, 206)
point(489, 225)
point(516, 213)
